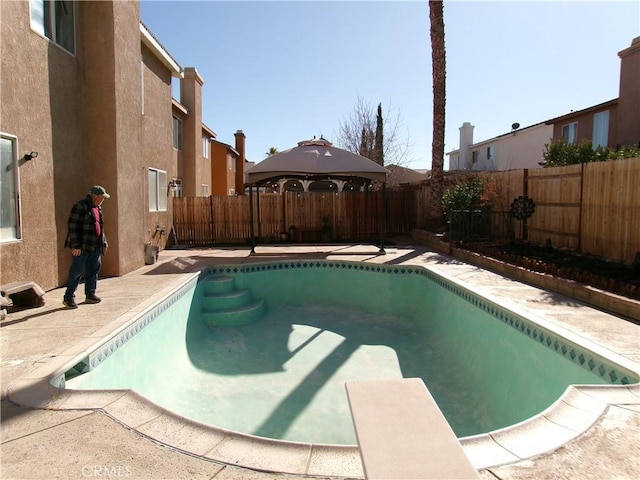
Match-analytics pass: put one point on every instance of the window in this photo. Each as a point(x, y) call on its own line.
point(570, 132)
point(205, 147)
point(54, 20)
point(491, 151)
point(229, 162)
point(204, 190)
point(601, 129)
point(9, 189)
point(474, 156)
point(157, 190)
point(177, 133)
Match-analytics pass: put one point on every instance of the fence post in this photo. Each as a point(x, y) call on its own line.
point(580, 206)
point(253, 238)
point(525, 188)
point(211, 219)
point(383, 219)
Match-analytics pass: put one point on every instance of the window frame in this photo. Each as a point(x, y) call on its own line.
point(176, 133)
point(206, 143)
point(600, 135)
point(491, 152)
point(158, 186)
point(572, 133)
point(48, 22)
point(14, 193)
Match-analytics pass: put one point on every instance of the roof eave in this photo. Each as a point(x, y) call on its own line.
point(158, 50)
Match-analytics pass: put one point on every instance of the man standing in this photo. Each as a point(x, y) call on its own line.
point(85, 237)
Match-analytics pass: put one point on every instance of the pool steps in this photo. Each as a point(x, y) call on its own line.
point(225, 306)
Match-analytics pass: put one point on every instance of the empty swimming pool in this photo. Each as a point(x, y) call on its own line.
point(324, 323)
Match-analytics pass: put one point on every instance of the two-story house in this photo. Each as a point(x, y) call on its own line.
point(86, 99)
point(614, 124)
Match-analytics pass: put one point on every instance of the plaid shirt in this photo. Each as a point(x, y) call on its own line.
point(81, 227)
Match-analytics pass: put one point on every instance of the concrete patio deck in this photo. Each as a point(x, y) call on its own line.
point(79, 443)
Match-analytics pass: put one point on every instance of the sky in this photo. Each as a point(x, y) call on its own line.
point(286, 71)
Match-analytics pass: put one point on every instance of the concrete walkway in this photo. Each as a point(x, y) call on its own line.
point(41, 443)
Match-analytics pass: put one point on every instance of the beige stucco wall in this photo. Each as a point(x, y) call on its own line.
point(523, 149)
point(83, 114)
point(157, 142)
point(113, 112)
point(40, 106)
point(628, 131)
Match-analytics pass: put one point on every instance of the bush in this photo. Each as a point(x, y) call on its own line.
point(464, 196)
point(559, 152)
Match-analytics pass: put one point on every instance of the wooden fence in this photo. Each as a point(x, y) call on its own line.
point(593, 208)
point(347, 216)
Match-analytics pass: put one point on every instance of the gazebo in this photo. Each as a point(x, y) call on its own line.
point(315, 160)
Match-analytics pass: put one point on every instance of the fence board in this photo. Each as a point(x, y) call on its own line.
point(611, 209)
point(556, 193)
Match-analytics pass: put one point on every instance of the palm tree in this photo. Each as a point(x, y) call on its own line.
point(271, 151)
point(438, 63)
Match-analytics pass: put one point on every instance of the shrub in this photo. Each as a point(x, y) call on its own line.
point(559, 152)
point(464, 196)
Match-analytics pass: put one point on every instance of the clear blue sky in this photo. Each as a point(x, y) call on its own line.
point(286, 71)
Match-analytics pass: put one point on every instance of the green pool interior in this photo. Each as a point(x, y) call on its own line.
point(283, 376)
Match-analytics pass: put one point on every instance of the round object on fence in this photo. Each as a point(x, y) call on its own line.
point(522, 207)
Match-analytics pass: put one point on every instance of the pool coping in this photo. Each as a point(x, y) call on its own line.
point(570, 416)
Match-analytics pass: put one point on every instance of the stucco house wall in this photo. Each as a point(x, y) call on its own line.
point(520, 148)
point(83, 112)
point(157, 148)
point(223, 160)
point(628, 128)
point(42, 109)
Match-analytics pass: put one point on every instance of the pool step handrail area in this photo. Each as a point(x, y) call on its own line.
point(402, 434)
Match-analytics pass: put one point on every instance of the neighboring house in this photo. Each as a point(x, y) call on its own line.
point(401, 176)
point(92, 98)
point(520, 148)
point(228, 166)
point(613, 124)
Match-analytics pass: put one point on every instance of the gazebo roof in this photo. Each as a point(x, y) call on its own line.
point(317, 159)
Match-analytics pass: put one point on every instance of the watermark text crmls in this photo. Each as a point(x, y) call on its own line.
point(106, 471)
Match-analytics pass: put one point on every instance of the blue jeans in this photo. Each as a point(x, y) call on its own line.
point(89, 263)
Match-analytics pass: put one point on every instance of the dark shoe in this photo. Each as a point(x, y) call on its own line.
point(70, 303)
point(92, 299)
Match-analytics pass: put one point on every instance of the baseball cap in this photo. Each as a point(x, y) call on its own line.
point(98, 190)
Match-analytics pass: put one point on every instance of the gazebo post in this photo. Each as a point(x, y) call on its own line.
point(367, 184)
point(383, 218)
point(253, 238)
point(259, 211)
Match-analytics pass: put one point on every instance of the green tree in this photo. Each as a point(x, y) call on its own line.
point(271, 151)
point(438, 66)
point(379, 139)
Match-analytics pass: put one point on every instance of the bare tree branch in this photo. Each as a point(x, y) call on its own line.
point(356, 134)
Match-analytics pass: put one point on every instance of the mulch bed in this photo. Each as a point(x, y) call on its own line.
point(598, 272)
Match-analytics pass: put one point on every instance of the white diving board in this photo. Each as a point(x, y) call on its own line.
point(402, 434)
